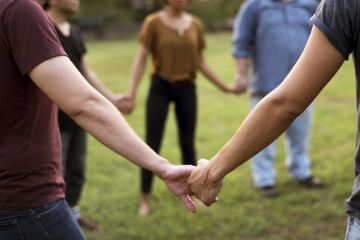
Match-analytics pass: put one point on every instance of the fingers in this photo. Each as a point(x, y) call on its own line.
point(189, 203)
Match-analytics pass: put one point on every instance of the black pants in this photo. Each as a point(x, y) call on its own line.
point(74, 147)
point(161, 94)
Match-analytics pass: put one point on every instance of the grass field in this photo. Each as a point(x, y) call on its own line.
point(111, 195)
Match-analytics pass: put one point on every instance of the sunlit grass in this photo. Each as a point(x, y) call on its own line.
point(112, 191)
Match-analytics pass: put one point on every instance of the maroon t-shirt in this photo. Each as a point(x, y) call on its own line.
point(30, 155)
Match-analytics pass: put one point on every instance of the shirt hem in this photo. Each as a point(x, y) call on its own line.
point(39, 203)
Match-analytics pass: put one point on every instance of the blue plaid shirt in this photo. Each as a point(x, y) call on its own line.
point(273, 34)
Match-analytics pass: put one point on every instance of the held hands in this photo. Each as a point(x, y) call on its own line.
point(240, 86)
point(125, 104)
point(241, 83)
point(175, 178)
point(186, 180)
point(201, 184)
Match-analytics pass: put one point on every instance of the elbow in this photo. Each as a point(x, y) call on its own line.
point(85, 108)
point(284, 107)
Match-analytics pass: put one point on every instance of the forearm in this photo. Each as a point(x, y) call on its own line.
point(137, 71)
point(316, 66)
point(60, 80)
point(135, 80)
point(102, 120)
point(260, 128)
point(242, 66)
point(212, 77)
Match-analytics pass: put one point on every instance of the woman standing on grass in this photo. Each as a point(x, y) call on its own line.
point(175, 40)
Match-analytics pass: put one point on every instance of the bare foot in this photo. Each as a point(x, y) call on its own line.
point(144, 208)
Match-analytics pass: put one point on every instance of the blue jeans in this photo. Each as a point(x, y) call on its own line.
point(51, 221)
point(296, 142)
point(353, 229)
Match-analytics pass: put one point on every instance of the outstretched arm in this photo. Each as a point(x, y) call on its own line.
point(94, 80)
point(60, 80)
point(209, 74)
point(272, 116)
point(242, 74)
point(138, 69)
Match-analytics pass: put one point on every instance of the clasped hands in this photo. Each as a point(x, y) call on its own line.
point(187, 182)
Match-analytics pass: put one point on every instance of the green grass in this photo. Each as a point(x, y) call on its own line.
point(111, 194)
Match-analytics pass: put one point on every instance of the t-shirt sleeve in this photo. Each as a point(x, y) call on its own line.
point(201, 34)
point(335, 19)
point(243, 38)
point(147, 35)
point(31, 36)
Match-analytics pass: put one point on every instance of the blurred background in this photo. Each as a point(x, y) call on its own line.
point(121, 18)
point(111, 194)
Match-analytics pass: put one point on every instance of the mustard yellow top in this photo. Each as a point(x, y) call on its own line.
point(174, 53)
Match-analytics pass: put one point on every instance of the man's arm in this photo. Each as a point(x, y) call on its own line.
point(63, 83)
point(242, 74)
point(244, 35)
point(272, 116)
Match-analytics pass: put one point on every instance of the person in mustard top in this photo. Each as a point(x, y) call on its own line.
point(175, 41)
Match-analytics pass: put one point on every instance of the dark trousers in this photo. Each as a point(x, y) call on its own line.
point(161, 94)
point(74, 147)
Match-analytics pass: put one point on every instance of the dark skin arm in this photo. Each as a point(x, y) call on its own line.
point(272, 116)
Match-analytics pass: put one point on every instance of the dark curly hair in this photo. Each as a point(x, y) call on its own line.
point(46, 5)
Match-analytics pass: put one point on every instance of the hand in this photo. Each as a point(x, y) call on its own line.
point(125, 104)
point(202, 186)
point(227, 89)
point(176, 178)
point(241, 84)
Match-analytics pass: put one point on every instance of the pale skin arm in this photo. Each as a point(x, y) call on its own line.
point(211, 76)
point(138, 69)
point(272, 116)
point(62, 82)
point(242, 74)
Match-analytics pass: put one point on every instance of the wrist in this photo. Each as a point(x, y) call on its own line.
point(215, 172)
point(131, 95)
point(163, 168)
point(242, 74)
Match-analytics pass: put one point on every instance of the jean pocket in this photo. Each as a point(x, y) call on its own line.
point(10, 229)
point(51, 208)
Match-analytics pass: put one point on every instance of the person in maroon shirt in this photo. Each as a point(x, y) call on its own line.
point(36, 73)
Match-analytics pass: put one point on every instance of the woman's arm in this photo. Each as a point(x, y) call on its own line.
point(272, 116)
point(95, 81)
point(136, 75)
point(210, 75)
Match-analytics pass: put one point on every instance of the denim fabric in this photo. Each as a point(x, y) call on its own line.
point(353, 229)
point(272, 33)
point(296, 142)
point(52, 221)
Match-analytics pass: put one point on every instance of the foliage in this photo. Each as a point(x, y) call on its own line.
point(112, 191)
point(213, 12)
